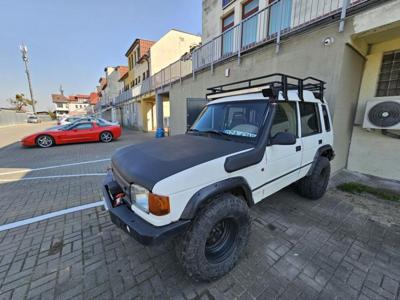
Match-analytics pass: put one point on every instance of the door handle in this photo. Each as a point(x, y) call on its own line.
point(298, 148)
point(320, 142)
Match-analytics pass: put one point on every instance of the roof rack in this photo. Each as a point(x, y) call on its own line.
point(274, 83)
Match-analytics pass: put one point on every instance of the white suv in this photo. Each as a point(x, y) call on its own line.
point(252, 139)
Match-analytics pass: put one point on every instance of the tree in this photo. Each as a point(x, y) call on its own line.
point(19, 102)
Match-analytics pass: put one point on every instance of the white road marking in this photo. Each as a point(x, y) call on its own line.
point(52, 177)
point(56, 166)
point(50, 215)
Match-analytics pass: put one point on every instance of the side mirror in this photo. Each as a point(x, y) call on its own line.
point(283, 138)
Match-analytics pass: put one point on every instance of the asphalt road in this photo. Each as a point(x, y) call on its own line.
point(14, 133)
point(334, 248)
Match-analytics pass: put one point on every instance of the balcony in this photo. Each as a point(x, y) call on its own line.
point(170, 74)
point(278, 19)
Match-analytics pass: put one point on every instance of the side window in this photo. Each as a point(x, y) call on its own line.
point(310, 123)
point(285, 119)
point(83, 126)
point(326, 118)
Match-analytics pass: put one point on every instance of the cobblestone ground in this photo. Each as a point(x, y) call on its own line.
point(299, 249)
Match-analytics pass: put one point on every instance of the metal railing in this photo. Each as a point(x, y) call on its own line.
point(278, 19)
point(269, 24)
point(170, 74)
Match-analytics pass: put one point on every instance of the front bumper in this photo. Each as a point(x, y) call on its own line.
point(131, 223)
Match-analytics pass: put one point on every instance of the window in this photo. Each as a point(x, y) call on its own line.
point(310, 123)
point(249, 8)
point(226, 2)
point(228, 21)
point(234, 119)
point(83, 126)
point(389, 77)
point(285, 119)
point(60, 105)
point(326, 118)
point(228, 37)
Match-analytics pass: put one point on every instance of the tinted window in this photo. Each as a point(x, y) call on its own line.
point(84, 126)
point(285, 119)
point(326, 118)
point(309, 119)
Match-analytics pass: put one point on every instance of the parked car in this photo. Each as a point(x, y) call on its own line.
point(68, 120)
point(74, 133)
point(251, 140)
point(33, 119)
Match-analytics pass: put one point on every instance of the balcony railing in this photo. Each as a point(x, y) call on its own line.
point(269, 24)
point(170, 74)
point(278, 19)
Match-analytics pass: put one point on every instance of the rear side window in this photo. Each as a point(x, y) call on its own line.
point(285, 119)
point(84, 126)
point(326, 118)
point(310, 123)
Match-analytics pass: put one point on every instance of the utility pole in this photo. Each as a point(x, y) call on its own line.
point(24, 52)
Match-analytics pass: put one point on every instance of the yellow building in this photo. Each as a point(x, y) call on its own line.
point(149, 66)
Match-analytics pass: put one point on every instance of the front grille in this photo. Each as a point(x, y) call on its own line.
point(125, 186)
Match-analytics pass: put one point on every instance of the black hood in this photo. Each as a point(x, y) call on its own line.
point(147, 163)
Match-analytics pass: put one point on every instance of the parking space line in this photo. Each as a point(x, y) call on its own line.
point(56, 166)
point(52, 177)
point(50, 215)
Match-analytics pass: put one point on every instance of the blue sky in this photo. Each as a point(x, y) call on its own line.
point(71, 41)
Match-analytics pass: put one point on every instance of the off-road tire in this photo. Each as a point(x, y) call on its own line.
point(40, 141)
point(106, 137)
point(192, 248)
point(314, 185)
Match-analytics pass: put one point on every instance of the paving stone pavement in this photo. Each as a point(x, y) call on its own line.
point(298, 249)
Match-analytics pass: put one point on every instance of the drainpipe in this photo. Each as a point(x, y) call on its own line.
point(160, 116)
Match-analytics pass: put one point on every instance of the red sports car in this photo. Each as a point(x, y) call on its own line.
point(74, 133)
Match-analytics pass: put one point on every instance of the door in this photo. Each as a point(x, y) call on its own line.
point(250, 24)
point(282, 161)
point(81, 132)
point(280, 15)
point(311, 133)
point(194, 107)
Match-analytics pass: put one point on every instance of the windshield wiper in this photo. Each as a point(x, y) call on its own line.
point(217, 132)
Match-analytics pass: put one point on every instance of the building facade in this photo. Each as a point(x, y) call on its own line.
point(73, 105)
point(153, 66)
point(354, 48)
point(110, 88)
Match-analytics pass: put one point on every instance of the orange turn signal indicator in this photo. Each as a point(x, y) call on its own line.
point(158, 205)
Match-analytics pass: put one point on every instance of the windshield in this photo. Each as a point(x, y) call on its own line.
point(241, 120)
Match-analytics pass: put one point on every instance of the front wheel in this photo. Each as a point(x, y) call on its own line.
point(106, 137)
point(216, 239)
point(44, 141)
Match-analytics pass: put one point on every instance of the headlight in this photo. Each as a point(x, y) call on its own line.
point(149, 202)
point(140, 197)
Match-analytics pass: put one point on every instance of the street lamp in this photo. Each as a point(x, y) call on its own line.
point(24, 52)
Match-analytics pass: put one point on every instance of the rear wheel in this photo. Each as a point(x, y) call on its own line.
point(44, 141)
point(106, 137)
point(216, 239)
point(314, 186)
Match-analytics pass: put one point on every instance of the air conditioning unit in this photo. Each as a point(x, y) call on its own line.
point(382, 114)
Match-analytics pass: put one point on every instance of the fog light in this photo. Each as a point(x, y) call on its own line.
point(158, 205)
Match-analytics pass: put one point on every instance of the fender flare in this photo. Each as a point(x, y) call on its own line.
point(202, 195)
point(321, 150)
